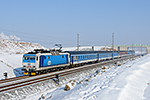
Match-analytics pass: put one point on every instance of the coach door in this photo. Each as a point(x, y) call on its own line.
point(67, 60)
point(41, 61)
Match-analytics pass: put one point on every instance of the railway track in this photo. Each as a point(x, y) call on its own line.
point(18, 82)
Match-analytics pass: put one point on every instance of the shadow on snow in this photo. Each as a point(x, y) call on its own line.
point(18, 72)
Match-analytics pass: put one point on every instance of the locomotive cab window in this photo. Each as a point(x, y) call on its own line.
point(26, 57)
point(32, 57)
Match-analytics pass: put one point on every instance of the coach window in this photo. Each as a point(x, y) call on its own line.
point(44, 57)
point(74, 58)
point(78, 57)
point(62, 56)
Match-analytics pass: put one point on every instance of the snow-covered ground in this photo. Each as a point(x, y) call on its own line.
point(11, 45)
point(10, 64)
point(130, 81)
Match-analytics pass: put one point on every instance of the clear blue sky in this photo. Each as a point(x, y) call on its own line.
point(59, 21)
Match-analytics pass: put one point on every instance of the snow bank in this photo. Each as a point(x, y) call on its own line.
point(10, 45)
point(136, 79)
point(10, 64)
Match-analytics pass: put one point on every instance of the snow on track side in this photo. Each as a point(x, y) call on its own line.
point(125, 82)
point(137, 79)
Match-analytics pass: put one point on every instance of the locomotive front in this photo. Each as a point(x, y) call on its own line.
point(29, 64)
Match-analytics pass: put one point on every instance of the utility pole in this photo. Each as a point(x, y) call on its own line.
point(113, 48)
point(141, 49)
point(78, 42)
point(132, 50)
point(118, 51)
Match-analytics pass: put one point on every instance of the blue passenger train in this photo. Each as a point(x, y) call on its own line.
point(43, 61)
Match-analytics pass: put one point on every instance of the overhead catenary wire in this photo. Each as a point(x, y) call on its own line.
point(32, 34)
point(47, 39)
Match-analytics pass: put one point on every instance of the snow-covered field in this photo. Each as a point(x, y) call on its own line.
point(130, 81)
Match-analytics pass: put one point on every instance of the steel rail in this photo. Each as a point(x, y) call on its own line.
point(13, 79)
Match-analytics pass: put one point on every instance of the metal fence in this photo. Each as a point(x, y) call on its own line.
point(139, 50)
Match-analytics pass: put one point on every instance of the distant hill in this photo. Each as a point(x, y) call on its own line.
point(11, 45)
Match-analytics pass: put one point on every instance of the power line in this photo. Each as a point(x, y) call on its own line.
point(52, 38)
point(32, 34)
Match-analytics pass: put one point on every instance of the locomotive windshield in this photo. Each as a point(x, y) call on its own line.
point(26, 57)
point(32, 57)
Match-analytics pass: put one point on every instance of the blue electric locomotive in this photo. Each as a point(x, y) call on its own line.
point(42, 61)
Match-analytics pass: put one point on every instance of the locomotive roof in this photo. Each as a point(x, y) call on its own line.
point(87, 52)
point(71, 52)
point(43, 51)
